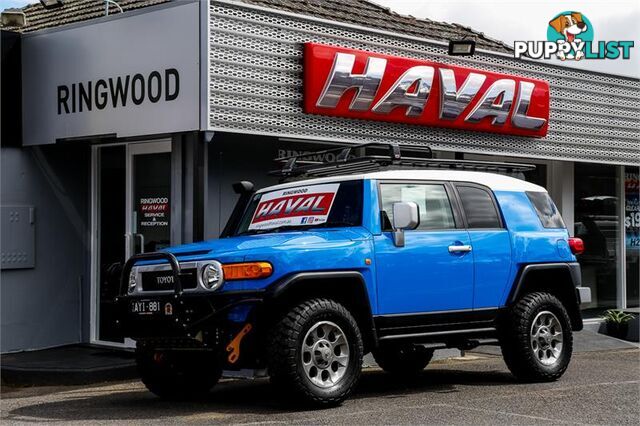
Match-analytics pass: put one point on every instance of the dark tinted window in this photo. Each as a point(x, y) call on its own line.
point(546, 209)
point(432, 200)
point(478, 207)
point(347, 208)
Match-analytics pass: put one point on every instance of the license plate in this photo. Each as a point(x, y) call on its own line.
point(145, 307)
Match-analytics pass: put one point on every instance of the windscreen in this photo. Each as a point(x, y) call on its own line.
point(303, 207)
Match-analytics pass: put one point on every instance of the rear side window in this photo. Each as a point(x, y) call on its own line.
point(478, 207)
point(546, 209)
point(432, 200)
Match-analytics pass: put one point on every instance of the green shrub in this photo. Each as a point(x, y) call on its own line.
point(616, 316)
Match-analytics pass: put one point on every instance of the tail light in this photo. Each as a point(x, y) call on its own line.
point(576, 245)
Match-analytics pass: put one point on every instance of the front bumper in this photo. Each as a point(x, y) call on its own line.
point(196, 316)
point(215, 321)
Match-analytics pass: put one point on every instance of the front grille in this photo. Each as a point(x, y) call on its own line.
point(163, 280)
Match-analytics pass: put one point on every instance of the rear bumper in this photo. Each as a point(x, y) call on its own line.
point(583, 294)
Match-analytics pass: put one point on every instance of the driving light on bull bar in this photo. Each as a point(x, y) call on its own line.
point(211, 275)
point(132, 280)
point(247, 271)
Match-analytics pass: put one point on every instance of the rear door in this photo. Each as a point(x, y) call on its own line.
point(490, 241)
point(429, 273)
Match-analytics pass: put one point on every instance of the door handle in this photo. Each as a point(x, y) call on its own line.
point(141, 241)
point(128, 249)
point(460, 249)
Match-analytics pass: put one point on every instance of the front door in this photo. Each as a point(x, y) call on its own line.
point(148, 197)
point(432, 272)
point(131, 214)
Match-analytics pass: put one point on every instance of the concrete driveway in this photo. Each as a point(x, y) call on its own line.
point(599, 388)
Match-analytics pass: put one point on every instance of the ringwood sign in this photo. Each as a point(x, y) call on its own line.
point(137, 75)
point(116, 92)
point(359, 84)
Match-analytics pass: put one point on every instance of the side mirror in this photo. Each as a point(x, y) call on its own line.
point(243, 187)
point(406, 216)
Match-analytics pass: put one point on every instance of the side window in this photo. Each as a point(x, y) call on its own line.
point(478, 207)
point(546, 209)
point(432, 200)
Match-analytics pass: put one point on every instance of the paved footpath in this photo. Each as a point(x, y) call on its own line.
point(598, 388)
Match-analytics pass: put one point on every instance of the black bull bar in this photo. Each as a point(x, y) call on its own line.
point(192, 310)
point(128, 266)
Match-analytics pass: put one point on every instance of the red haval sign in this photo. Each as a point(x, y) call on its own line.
point(358, 84)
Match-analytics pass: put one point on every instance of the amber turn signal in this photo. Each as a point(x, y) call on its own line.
point(247, 271)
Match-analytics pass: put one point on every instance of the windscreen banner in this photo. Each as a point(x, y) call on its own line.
point(299, 206)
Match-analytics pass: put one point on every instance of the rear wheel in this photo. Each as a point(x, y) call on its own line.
point(403, 360)
point(315, 352)
point(536, 339)
point(178, 374)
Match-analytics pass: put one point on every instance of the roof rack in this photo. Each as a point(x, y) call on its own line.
point(378, 156)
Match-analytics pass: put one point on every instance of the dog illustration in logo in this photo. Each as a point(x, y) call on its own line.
point(569, 26)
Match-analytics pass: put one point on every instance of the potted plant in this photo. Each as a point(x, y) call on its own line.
point(617, 323)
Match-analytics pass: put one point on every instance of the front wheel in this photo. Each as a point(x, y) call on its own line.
point(536, 339)
point(178, 375)
point(315, 352)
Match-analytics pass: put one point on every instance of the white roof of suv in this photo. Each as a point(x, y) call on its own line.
point(492, 180)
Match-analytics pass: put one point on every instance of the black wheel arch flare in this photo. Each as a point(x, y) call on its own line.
point(345, 286)
point(557, 278)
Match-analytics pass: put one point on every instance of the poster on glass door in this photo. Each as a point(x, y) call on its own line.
point(154, 211)
point(632, 209)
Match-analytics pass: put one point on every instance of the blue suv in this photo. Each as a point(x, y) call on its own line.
point(371, 252)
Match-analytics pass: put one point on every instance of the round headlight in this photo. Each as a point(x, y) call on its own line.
point(132, 281)
point(211, 276)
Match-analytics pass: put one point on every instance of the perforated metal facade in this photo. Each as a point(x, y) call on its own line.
point(256, 87)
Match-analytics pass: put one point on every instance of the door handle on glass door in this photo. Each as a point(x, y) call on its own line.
point(141, 241)
point(127, 246)
point(460, 249)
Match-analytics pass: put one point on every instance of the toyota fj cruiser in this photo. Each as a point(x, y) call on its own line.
point(371, 252)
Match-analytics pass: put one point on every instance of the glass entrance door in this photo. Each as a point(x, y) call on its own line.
point(149, 197)
point(131, 214)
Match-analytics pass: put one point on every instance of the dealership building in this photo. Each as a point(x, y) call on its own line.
point(124, 133)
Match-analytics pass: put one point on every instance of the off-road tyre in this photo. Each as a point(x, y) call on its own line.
point(286, 348)
point(403, 360)
point(516, 341)
point(178, 375)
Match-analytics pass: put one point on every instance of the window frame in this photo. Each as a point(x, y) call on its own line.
point(449, 190)
point(492, 196)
